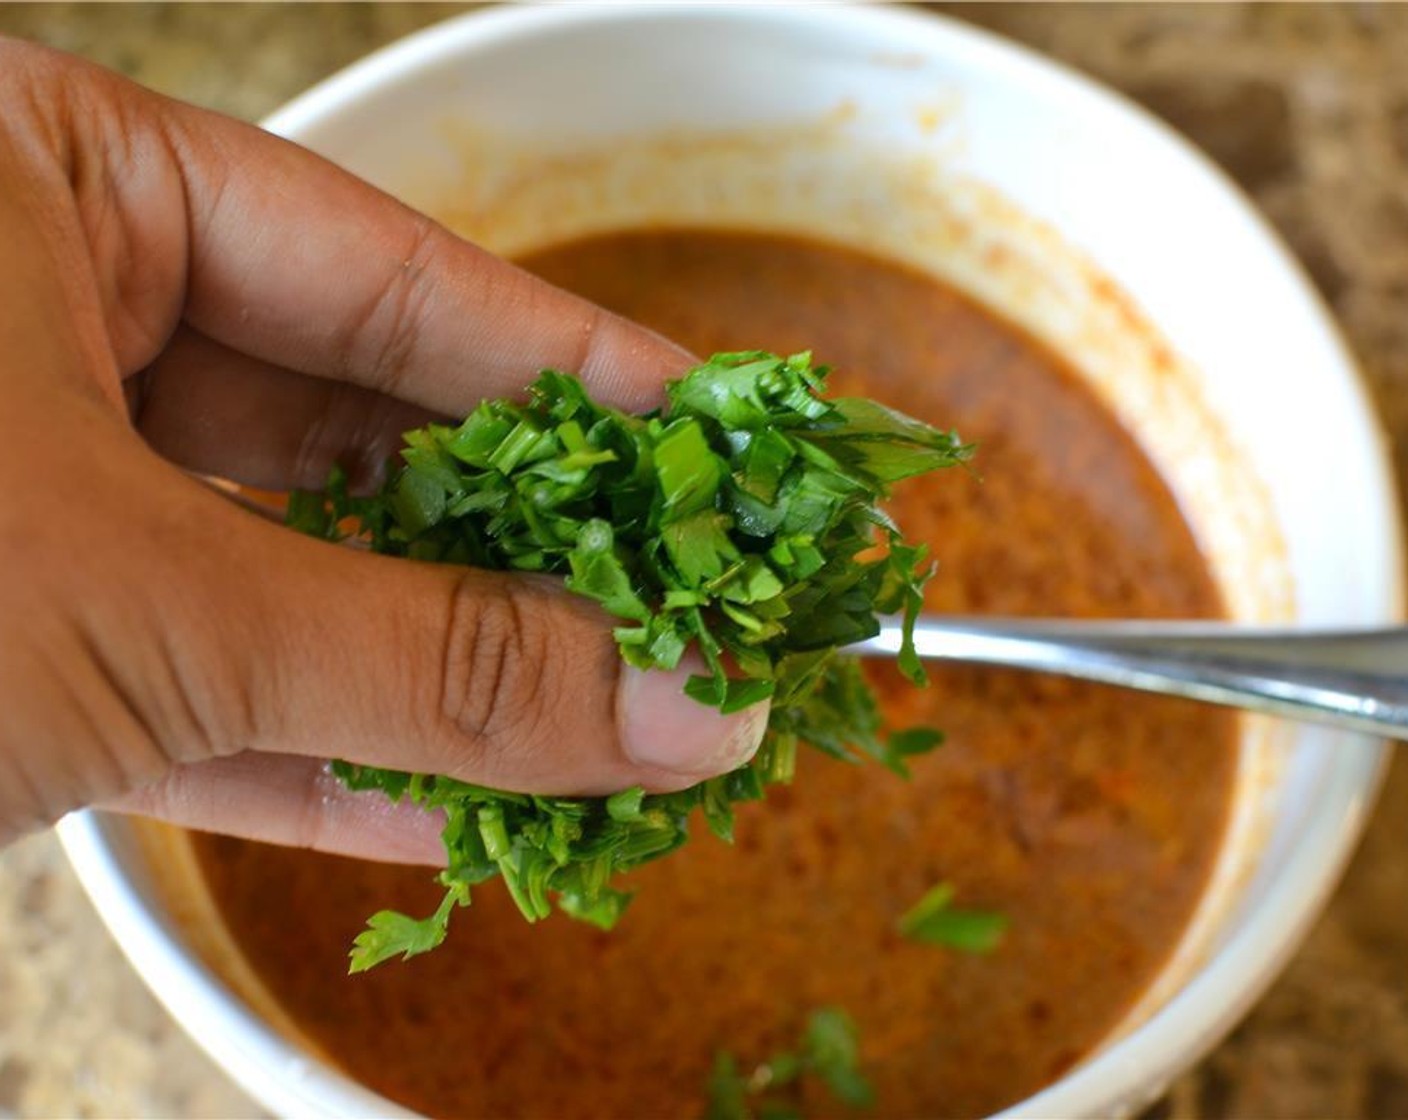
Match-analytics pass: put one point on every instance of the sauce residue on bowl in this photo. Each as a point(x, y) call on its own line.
point(1090, 817)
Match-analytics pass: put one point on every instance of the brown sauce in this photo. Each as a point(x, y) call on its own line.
point(1090, 817)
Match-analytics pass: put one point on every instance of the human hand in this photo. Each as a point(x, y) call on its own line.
point(180, 293)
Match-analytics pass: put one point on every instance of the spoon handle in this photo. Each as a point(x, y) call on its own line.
point(1353, 679)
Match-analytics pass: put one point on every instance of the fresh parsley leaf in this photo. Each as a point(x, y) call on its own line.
point(831, 1051)
point(742, 520)
point(728, 1090)
point(389, 934)
point(828, 1051)
point(935, 921)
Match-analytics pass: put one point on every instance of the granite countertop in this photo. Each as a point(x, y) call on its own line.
point(1305, 105)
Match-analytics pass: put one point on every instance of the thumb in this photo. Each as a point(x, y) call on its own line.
point(502, 680)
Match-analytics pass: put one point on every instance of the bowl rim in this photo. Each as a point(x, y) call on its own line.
point(1118, 1077)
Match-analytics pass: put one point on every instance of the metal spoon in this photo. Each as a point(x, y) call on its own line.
point(1353, 679)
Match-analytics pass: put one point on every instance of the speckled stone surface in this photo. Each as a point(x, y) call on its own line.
point(1305, 105)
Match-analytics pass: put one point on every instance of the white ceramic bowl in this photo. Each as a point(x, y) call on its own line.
point(1055, 202)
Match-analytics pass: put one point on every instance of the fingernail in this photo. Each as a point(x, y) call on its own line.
point(662, 727)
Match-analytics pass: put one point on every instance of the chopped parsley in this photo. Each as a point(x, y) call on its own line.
point(828, 1052)
point(743, 520)
point(935, 921)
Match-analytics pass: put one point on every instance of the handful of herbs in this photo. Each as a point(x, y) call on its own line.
point(743, 519)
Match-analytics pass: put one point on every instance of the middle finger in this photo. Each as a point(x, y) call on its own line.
point(215, 411)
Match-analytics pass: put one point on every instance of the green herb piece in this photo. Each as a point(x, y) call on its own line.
point(828, 1051)
point(389, 934)
point(935, 921)
point(728, 1090)
point(744, 519)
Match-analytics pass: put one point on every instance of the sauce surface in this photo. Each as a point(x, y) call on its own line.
point(1090, 817)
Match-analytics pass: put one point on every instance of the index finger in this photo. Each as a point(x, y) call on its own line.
point(307, 266)
point(300, 264)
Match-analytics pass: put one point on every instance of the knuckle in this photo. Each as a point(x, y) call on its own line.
point(357, 428)
point(310, 828)
point(497, 652)
point(195, 665)
point(391, 332)
point(590, 338)
point(314, 455)
point(25, 64)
